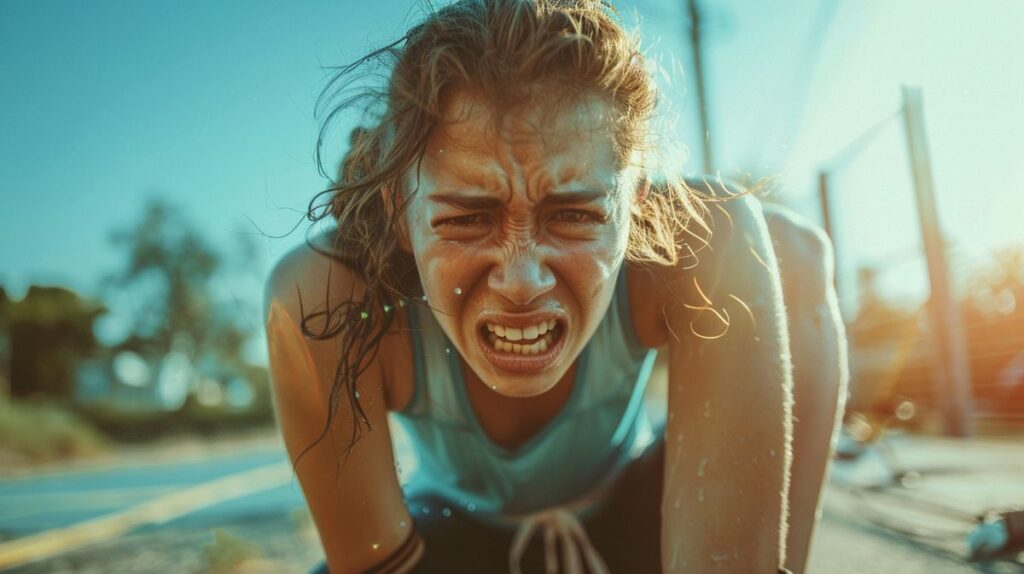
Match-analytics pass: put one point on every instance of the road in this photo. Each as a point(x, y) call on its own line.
point(265, 508)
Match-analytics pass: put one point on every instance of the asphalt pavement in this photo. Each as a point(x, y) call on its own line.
point(946, 482)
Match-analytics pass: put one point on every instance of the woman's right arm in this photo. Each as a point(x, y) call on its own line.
point(356, 503)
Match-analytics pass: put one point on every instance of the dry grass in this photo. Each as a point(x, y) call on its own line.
point(34, 432)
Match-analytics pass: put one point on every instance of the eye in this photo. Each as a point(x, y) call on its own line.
point(576, 217)
point(472, 220)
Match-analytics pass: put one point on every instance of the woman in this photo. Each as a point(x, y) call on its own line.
point(501, 274)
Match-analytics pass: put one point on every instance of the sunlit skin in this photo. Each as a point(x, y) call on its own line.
point(547, 232)
point(491, 237)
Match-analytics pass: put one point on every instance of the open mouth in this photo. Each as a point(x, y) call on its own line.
point(529, 349)
point(532, 340)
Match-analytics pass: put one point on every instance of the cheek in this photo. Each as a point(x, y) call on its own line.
point(589, 268)
point(450, 271)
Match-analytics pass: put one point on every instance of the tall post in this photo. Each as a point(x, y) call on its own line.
point(698, 78)
point(952, 372)
point(827, 221)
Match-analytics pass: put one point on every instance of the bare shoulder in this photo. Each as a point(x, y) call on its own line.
point(306, 282)
point(736, 231)
point(804, 253)
point(794, 236)
point(304, 277)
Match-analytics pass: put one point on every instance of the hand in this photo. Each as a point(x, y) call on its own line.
point(557, 524)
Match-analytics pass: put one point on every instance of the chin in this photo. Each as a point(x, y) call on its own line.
point(519, 388)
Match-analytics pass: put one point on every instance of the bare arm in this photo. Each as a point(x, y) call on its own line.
point(356, 504)
point(728, 434)
point(818, 343)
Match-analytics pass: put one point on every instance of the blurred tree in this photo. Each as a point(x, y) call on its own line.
point(891, 349)
point(45, 335)
point(5, 345)
point(994, 323)
point(172, 268)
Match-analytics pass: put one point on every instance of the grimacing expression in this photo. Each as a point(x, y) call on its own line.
point(518, 229)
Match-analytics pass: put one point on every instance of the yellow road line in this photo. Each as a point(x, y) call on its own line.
point(61, 540)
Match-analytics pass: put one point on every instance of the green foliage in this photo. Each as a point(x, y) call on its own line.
point(186, 313)
point(32, 431)
point(47, 333)
point(164, 247)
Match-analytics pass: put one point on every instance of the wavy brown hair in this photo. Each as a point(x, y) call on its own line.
point(504, 52)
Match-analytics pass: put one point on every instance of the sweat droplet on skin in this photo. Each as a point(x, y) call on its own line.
point(375, 546)
point(401, 524)
point(707, 409)
point(700, 495)
point(448, 350)
point(458, 290)
point(702, 467)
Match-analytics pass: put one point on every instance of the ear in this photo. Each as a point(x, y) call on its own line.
point(402, 228)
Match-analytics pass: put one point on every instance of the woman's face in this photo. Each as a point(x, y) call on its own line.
point(518, 231)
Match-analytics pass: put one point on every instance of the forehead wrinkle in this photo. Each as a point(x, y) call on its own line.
point(518, 157)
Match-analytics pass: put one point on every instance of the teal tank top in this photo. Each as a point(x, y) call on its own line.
point(602, 427)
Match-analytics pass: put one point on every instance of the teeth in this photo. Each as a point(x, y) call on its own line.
point(528, 333)
point(519, 348)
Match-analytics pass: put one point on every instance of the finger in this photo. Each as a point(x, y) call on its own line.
point(522, 537)
point(570, 552)
point(550, 549)
point(595, 564)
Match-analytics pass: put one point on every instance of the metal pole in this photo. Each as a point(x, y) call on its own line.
point(698, 77)
point(827, 221)
point(952, 373)
point(826, 205)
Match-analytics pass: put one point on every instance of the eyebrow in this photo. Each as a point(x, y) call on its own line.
point(491, 202)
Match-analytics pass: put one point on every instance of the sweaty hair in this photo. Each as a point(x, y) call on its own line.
point(504, 52)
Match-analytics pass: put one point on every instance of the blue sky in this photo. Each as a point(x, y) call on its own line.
point(211, 105)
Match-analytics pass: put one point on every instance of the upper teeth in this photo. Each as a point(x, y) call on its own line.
point(517, 334)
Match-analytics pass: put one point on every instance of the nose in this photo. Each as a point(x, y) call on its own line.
point(521, 278)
